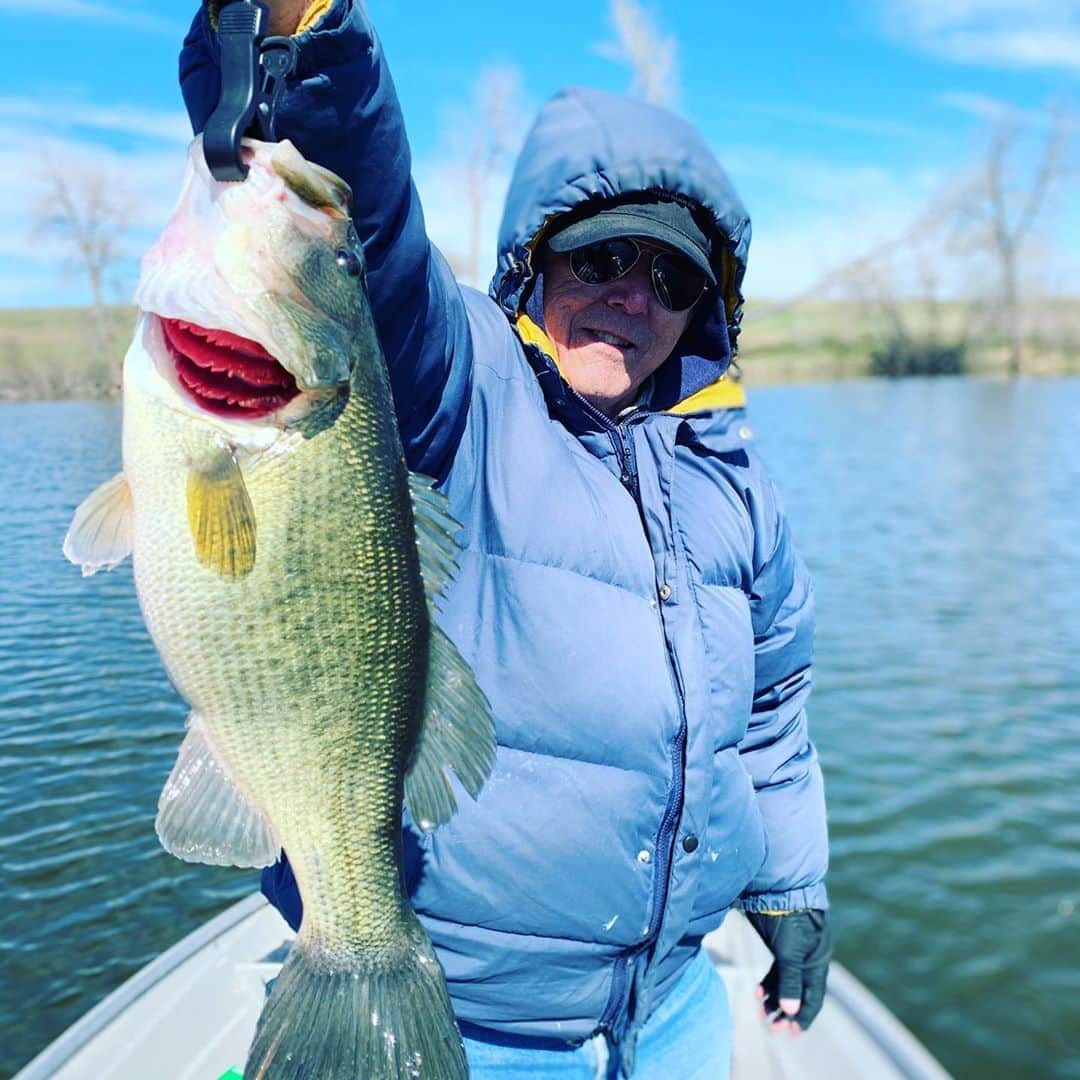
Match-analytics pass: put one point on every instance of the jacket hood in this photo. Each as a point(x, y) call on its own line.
point(590, 145)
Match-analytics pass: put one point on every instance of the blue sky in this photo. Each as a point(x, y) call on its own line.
point(837, 121)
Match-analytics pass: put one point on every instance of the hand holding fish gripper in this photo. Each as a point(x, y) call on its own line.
point(253, 72)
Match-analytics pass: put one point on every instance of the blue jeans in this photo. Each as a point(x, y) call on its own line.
point(687, 1038)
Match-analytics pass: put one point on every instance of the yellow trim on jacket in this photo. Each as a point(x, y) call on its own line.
point(315, 11)
point(725, 393)
point(531, 334)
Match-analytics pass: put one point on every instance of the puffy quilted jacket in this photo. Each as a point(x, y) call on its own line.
point(629, 595)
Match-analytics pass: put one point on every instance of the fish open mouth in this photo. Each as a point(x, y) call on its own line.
point(227, 374)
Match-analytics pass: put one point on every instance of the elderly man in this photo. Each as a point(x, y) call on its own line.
point(629, 596)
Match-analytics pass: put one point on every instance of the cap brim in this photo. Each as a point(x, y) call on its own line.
point(618, 222)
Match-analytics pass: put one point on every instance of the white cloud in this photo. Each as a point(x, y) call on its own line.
point(168, 125)
point(948, 14)
point(33, 263)
point(641, 45)
point(131, 19)
point(996, 33)
point(814, 181)
point(789, 255)
point(990, 109)
point(471, 164)
point(449, 222)
point(1017, 47)
point(798, 115)
point(812, 216)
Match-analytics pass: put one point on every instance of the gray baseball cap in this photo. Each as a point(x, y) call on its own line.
point(667, 222)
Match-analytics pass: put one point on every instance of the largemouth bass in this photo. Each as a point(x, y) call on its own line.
point(286, 563)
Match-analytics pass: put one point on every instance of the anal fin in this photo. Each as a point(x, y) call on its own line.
point(101, 531)
point(202, 817)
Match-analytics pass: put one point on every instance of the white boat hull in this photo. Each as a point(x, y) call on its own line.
point(191, 1014)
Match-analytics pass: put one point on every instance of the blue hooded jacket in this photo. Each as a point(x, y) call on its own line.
point(629, 596)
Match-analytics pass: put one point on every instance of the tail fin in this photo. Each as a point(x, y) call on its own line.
point(382, 1015)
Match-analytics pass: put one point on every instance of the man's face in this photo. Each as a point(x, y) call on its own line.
point(610, 338)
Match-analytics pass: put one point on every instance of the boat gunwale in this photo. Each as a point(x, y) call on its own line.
point(888, 1033)
point(895, 1042)
point(69, 1042)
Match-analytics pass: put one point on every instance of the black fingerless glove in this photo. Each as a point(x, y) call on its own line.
point(801, 944)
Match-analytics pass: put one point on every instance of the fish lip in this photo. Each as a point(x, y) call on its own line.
point(225, 374)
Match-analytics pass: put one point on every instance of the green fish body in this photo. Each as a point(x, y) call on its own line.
point(286, 563)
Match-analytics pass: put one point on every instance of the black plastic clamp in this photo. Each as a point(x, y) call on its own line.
point(253, 74)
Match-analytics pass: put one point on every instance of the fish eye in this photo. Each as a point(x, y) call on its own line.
point(348, 262)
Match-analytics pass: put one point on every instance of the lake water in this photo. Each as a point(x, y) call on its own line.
point(941, 520)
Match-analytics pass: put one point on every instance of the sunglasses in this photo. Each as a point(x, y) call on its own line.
point(676, 281)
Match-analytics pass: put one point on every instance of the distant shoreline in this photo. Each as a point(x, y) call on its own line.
point(52, 354)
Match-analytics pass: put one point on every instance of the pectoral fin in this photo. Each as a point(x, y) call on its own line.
point(457, 734)
point(202, 816)
point(221, 517)
point(100, 534)
point(457, 731)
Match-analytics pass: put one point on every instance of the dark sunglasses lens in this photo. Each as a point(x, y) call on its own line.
point(604, 261)
point(677, 281)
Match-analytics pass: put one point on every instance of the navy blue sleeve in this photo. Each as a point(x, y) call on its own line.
point(340, 109)
point(278, 883)
point(279, 887)
point(777, 751)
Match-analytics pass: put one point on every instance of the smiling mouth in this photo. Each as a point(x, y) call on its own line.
point(609, 338)
point(227, 374)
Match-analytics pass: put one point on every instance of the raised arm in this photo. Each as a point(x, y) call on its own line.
point(340, 109)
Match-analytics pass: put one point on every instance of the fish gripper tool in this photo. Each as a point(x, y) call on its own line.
point(253, 73)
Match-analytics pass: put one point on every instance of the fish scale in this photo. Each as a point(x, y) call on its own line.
point(286, 565)
point(289, 645)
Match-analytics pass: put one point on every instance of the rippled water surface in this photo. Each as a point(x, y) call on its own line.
point(941, 519)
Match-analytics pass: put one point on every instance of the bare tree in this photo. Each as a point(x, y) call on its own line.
point(641, 45)
point(978, 229)
point(998, 210)
point(90, 211)
point(483, 138)
point(901, 286)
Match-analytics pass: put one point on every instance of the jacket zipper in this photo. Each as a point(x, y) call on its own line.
point(628, 464)
point(617, 994)
point(665, 839)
